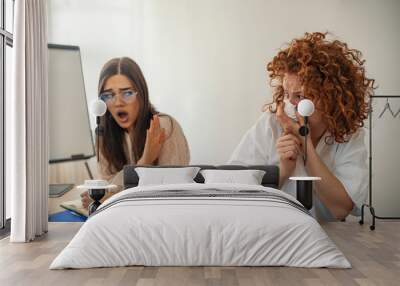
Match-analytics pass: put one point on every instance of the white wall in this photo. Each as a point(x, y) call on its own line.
point(205, 60)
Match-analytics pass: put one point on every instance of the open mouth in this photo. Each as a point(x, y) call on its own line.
point(122, 116)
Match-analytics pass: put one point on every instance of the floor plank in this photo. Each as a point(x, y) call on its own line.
point(374, 255)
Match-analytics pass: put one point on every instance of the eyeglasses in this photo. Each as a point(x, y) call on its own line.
point(110, 97)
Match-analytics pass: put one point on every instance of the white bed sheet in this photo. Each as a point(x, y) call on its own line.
point(200, 231)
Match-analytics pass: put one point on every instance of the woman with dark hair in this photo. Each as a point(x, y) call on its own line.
point(331, 75)
point(133, 131)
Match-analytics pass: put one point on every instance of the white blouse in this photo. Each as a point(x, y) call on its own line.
point(347, 161)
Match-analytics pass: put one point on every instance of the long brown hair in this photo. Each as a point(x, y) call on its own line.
point(112, 136)
point(332, 74)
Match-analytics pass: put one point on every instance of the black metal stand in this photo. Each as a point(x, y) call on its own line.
point(99, 132)
point(372, 210)
point(369, 205)
point(304, 187)
point(304, 193)
point(96, 195)
point(374, 216)
point(97, 135)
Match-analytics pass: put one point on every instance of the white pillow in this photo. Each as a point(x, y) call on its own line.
point(162, 176)
point(248, 177)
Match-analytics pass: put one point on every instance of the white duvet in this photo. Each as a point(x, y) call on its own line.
point(200, 231)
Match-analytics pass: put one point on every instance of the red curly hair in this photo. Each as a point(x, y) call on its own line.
point(332, 76)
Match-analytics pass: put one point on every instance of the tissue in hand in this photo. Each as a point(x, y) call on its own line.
point(290, 109)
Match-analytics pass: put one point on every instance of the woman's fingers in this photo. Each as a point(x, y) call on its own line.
point(155, 138)
point(288, 144)
point(84, 194)
point(156, 120)
point(85, 199)
point(161, 137)
point(289, 147)
point(85, 205)
point(290, 154)
point(285, 121)
point(287, 124)
point(154, 128)
point(151, 125)
point(289, 137)
point(156, 133)
point(292, 148)
point(280, 114)
point(280, 108)
point(300, 118)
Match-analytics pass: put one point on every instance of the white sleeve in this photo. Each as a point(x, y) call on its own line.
point(252, 149)
point(351, 168)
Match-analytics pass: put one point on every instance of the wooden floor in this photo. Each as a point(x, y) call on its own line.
point(375, 256)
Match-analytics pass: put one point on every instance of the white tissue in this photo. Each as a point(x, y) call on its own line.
point(290, 109)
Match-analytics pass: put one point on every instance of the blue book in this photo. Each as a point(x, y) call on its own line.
point(67, 216)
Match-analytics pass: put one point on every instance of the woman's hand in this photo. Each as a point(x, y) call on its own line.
point(155, 139)
point(86, 199)
point(288, 124)
point(289, 144)
point(288, 147)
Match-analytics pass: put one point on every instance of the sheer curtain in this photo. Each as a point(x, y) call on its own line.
point(26, 116)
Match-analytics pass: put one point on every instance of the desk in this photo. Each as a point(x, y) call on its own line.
point(54, 203)
point(69, 172)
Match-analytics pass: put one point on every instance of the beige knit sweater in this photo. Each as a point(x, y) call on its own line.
point(175, 151)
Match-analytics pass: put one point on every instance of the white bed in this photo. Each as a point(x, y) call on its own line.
point(183, 230)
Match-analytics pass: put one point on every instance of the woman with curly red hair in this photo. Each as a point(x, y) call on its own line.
point(333, 76)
